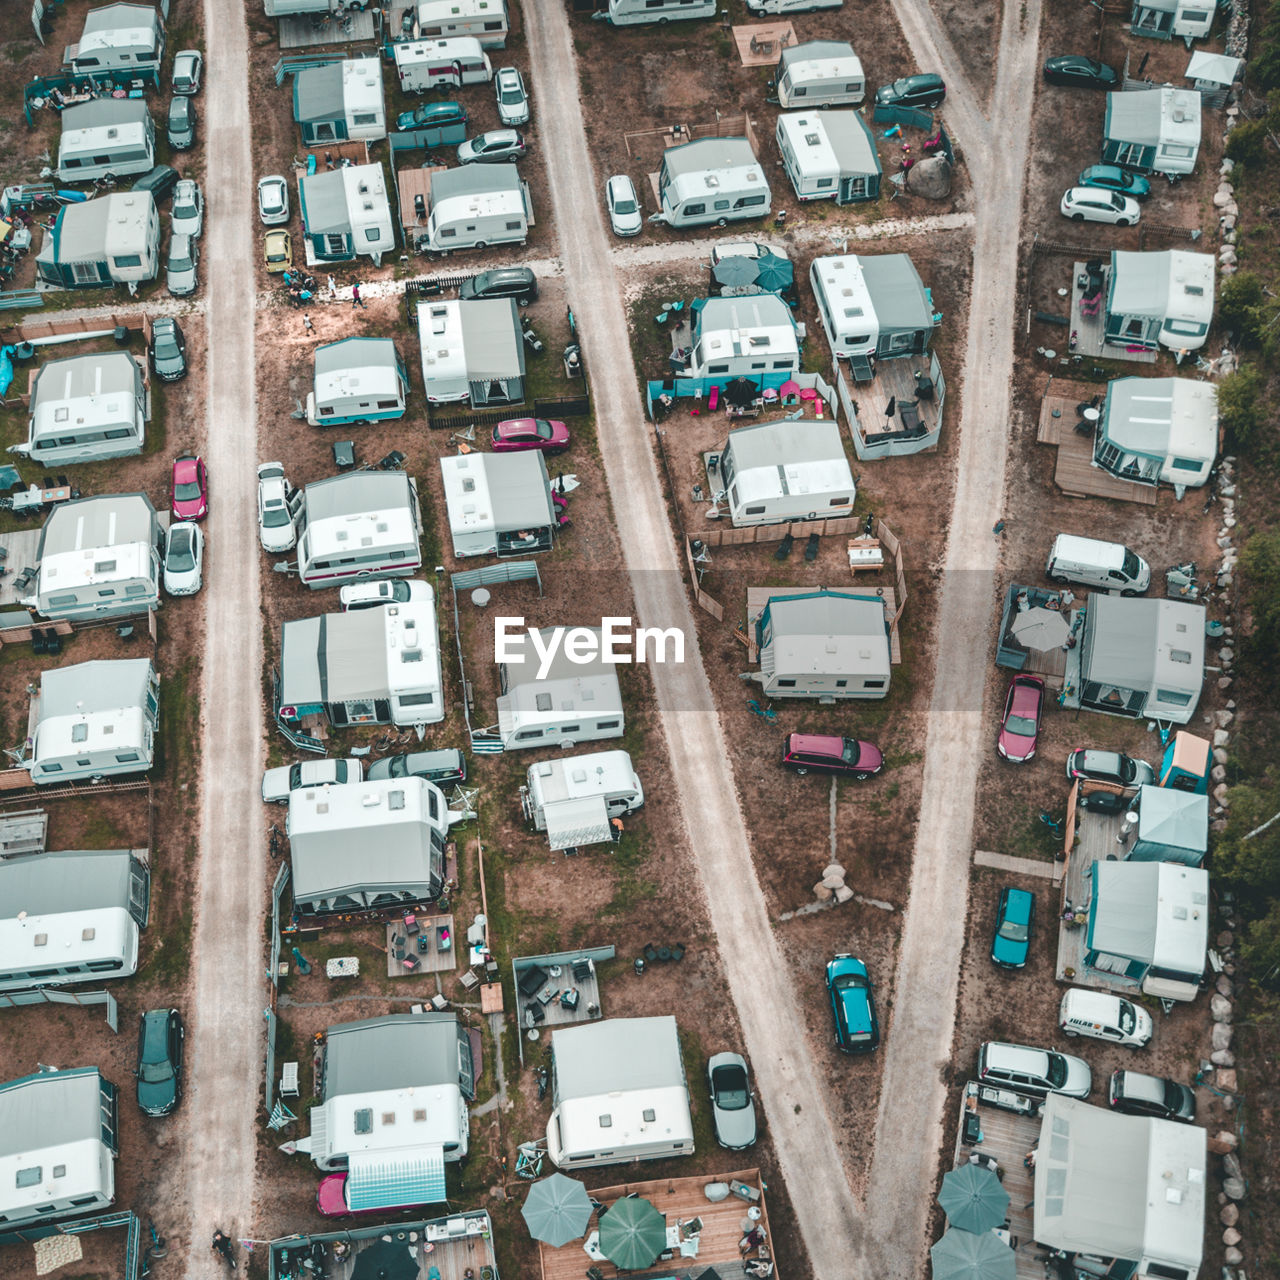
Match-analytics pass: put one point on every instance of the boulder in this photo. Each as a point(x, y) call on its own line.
point(1231, 1237)
point(1225, 1078)
point(1225, 939)
point(1226, 166)
point(1224, 986)
point(1219, 755)
point(1220, 1008)
point(1221, 737)
point(930, 178)
point(1220, 1037)
point(844, 894)
point(1218, 826)
point(1222, 1058)
point(833, 882)
point(1234, 1188)
point(1218, 773)
point(1224, 682)
point(1231, 1167)
point(1222, 197)
point(822, 892)
point(1232, 1257)
point(1229, 1215)
point(1220, 794)
point(835, 869)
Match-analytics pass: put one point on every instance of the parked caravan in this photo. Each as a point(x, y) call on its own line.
point(106, 136)
point(117, 37)
point(575, 800)
point(444, 354)
point(1108, 566)
point(713, 180)
point(499, 503)
point(365, 524)
point(441, 64)
point(630, 13)
point(357, 380)
point(829, 155)
point(113, 239)
point(819, 73)
point(872, 307)
point(766, 8)
point(485, 20)
point(87, 408)
point(475, 206)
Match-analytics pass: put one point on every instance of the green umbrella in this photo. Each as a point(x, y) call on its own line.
point(774, 274)
point(557, 1210)
point(632, 1234)
point(962, 1255)
point(973, 1199)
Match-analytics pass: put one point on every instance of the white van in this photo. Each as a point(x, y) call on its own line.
point(1103, 1016)
point(1108, 566)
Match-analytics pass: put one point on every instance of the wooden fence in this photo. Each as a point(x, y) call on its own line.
point(893, 545)
point(704, 601)
point(37, 329)
point(727, 536)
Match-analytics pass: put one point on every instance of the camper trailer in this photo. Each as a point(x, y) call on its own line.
point(711, 181)
point(575, 800)
point(631, 13)
point(472, 350)
point(106, 136)
point(767, 8)
point(872, 307)
point(819, 73)
point(87, 408)
point(444, 355)
point(476, 205)
point(499, 503)
point(750, 337)
point(484, 20)
point(829, 155)
point(423, 65)
point(113, 239)
point(365, 524)
point(340, 101)
point(357, 380)
point(117, 37)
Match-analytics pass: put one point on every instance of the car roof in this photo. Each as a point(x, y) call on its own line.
point(1139, 1085)
point(1017, 1057)
point(819, 743)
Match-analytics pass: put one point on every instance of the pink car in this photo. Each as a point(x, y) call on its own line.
point(331, 1200)
point(531, 433)
point(1020, 724)
point(189, 492)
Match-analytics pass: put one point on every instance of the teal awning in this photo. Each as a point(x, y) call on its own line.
point(378, 1180)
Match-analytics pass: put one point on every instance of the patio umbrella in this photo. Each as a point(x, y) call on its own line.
point(973, 1199)
point(741, 393)
point(557, 1210)
point(632, 1234)
point(961, 1255)
point(774, 273)
point(734, 273)
point(385, 1260)
point(1041, 628)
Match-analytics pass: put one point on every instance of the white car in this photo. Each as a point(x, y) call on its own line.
point(278, 503)
point(513, 101)
point(188, 208)
point(624, 209)
point(1090, 204)
point(187, 67)
point(180, 269)
point(273, 200)
point(277, 783)
point(183, 558)
point(744, 249)
point(369, 595)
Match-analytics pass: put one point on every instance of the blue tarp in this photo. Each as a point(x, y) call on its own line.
point(6, 372)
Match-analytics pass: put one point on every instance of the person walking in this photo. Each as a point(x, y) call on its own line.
point(333, 287)
point(307, 326)
point(356, 299)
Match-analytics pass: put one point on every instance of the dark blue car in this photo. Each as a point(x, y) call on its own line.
point(1011, 943)
point(852, 1005)
point(160, 1036)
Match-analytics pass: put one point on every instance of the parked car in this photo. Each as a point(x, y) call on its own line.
point(188, 64)
point(1109, 766)
point(160, 181)
point(853, 1005)
point(182, 123)
point(183, 558)
point(168, 351)
point(1085, 73)
point(1015, 915)
point(187, 214)
point(826, 753)
point(278, 504)
point(733, 1110)
point(159, 1073)
point(743, 249)
point(431, 115)
point(1137, 1094)
point(503, 282)
point(1111, 177)
point(925, 90)
point(443, 767)
point(531, 433)
point(180, 267)
point(277, 251)
point(493, 147)
point(1109, 802)
point(1103, 1016)
point(277, 783)
point(1020, 724)
point(1034, 1071)
point(513, 101)
point(1092, 204)
point(369, 595)
point(624, 207)
point(189, 490)
point(273, 200)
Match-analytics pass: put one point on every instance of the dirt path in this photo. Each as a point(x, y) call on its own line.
point(224, 1040)
point(757, 975)
point(911, 1123)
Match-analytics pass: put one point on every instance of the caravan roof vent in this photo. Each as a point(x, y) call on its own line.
point(395, 799)
point(812, 139)
point(80, 732)
point(363, 1120)
point(542, 702)
point(606, 1122)
point(411, 655)
point(113, 132)
point(41, 940)
point(381, 526)
point(1195, 290)
point(650, 1115)
point(1179, 115)
point(1179, 655)
point(712, 180)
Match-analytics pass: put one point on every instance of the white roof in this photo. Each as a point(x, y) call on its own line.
point(1153, 912)
point(488, 492)
point(59, 737)
point(844, 285)
point(1155, 117)
point(843, 65)
point(413, 645)
point(553, 701)
point(100, 134)
point(362, 87)
point(757, 326)
point(102, 388)
point(335, 386)
point(111, 932)
point(770, 467)
point(426, 1115)
point(88, 566)
point(1217, 68)
point(359, 806)
point(80, 1167)
point(444, 356)
point(1173, 284)
point(430, 11)
point(458, 47)
point(356, 529)
point(822, 634)
point(1163, 417)
point(579, 777)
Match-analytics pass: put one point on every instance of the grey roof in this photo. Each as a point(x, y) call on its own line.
point(317, 93)
point(854, 147)
point(491, 338)
point(82, 230)
point(473, 180)
point(615, 1055)
point(1176, 819)
point(113, 17)
point(827, 613)
point(336, 657)
point(816, 50)
point(324, 203)
point(897, 292)
point(103, 112)
point(519, 490)
point(356, 353)
point(402, 1051)
point(561, 667)
point(1159, 417)
point(50, 1110)
point(357, 492)
point(708, 153)
point(771, 444)
point(71, 880)
point(301, 679)
point(1135, 116)
point(108, 521)
point(1124, 917)
point(101, 685)
point(98, 373)
point(753, 312)
point(1121, 641)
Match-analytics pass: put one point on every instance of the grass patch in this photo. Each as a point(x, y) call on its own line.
point(632, 888)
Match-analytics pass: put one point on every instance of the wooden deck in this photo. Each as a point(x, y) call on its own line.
point(414, 181)
point(758, 597)
point(761, 45)
point(679, 1199)
point(21, 547)
point(1089, 330)
point(433, 960)
point(1075, 473)
point(297, 31)
point(895, 380)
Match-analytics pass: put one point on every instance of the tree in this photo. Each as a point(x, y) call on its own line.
point(1239, 412)
point(1252, 866)
point(1260, 567)
point(1260, 948)
point(1247, 143)
point(1242, 307)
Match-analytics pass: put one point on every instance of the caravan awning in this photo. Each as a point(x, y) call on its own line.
point(382, 1180)
point(571, 823)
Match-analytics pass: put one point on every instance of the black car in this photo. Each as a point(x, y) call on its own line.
point(924, 90)
point(1109, 766)
point(440, 767)
point(505, 282)
point(160, 1036)
point(168, 349)
point(1137, 1094)
point(160, 181)
point(1075, 70)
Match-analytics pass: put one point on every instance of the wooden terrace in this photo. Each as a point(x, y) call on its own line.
point(761, 45)
point(1091, 330)
point(1075, 473)
point(299, 31)
point(913, 417)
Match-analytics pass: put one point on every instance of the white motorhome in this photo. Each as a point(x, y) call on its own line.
point(365, 524)
point(477, 205)
point(485, 20)
point(106, 136)
point(574, 800)
point(629, 13)
point(87, 408)
point(711, 181)
point(441, 64)
point(499, 503)
point(820, 73)
point(829, 155)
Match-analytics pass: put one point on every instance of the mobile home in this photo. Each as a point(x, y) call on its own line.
point(744, 337)
point(829, 155)
point(1153, 130)
point(576, 799)
point(499, 503)
point(820, 73)
point(618, 1094)
point(365, 524)
point(106, 136)
point(422, 65)
point(357, 380)
point(98, 558)
point(711, 181)
point(1158, 431)
point(114, 239)
point(87, 408)
point(630, 13)
point(74, 916)
point(58, 1146)
point(1160, 298)
point(1164, 19)
point(483, 20)
point(766, 8)
point(476, 205)
point(346, 214)
point(117, 37)
point(340, 101)
point(472, 349)
point(95, 719)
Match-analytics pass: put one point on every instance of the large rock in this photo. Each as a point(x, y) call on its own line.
point(1218, 773)
point(1225, 939)
point(835, 869)
point(1234, 1188)
point(1232, 1257)
point(1221, 737)
point(1220, 755)
point(1220, 794)
point(1220, 1008)
point(1222, 1058)
point(833, 881)
point(822, 892)
point(1229, 1215)
point(930, 178)
point(1231, 1167)
point(1225, 1079)
point(844, 893)
point(1225, 717)
point(1221, 1037)
point(1231, 1237)
point(1224, 985)
point(1222, 1142)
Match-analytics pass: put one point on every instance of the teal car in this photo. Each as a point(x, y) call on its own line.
point(433, 115)
point(853, 1005)
point(1111, 177)
point(1011, 942)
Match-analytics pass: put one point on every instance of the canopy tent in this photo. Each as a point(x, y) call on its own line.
point(557, 1210)
point(962, 1255)
point(973, 1199)
point(632, 1234)
point(1213, 68)
point(388, 1179)
point(1173, 826)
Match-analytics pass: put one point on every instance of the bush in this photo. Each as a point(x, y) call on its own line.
point(1260, 566)
point(1239, 410)
point(1260, 948)
point(1242, 307)
point(1247, 143)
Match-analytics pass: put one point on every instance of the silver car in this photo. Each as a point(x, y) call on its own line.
point(183, 558)
point(277, 783)
point(624, 208)
point(513, 101)
point(180, 269)
point(733, 1110)
point(188, 208)
point(278, 505)
point(273, 200)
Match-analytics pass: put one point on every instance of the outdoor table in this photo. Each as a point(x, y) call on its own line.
point(342, 967)
point(591, 1247)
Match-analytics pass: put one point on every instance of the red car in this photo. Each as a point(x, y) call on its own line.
point(825, 753)
point(190, 491)
point(1020, 724)
point(531, 433)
